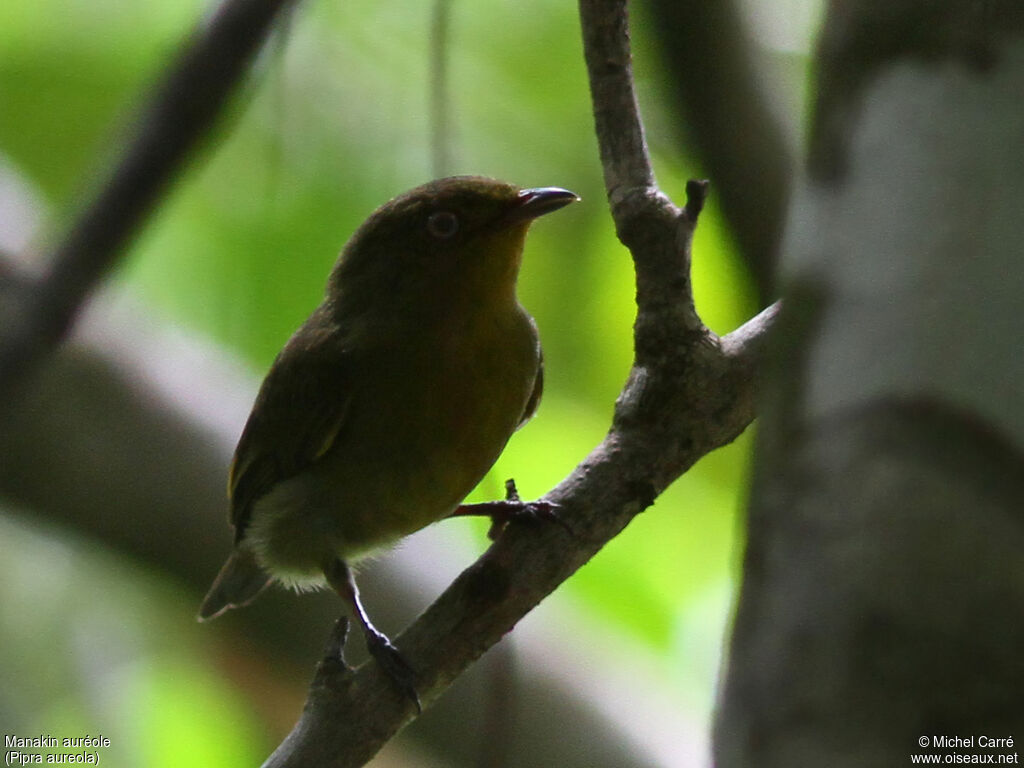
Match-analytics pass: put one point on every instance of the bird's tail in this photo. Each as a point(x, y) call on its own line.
point(238, 583)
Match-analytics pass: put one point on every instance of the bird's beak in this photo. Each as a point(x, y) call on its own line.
point(531, 203)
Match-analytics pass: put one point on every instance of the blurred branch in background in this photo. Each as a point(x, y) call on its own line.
point(184, 108)
point(725, 111)
point(441, 123)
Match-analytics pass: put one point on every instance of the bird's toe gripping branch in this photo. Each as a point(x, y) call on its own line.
point(393, 664)
point(514, 509)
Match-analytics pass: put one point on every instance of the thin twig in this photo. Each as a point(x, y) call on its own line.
point(744, 344)
point(620, 132)
point(440, 91)
point(182, 111)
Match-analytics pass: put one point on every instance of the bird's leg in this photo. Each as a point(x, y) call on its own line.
point(512, 508)
point(339, 576)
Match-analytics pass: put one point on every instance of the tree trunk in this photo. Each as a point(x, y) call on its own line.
point(882, 607)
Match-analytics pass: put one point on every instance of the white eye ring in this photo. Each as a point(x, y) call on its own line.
point(443, 224)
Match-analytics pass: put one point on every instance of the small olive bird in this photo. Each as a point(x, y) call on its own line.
point(392, 401)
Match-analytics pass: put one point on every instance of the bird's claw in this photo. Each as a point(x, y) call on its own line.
point(504, 512)
point(394, 666)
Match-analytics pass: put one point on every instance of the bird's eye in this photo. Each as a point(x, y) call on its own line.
point(443, 224)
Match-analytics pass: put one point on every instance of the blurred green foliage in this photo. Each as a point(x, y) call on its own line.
point(333, 123)
point(92, 646)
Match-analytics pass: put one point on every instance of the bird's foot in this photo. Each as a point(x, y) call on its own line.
point(514, 509)
point(504, 512)
point(532, 512)
point(394, 666)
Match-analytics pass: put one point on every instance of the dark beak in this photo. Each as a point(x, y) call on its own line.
point(536, 202)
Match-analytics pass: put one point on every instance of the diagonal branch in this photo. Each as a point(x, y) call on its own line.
point(182, 112)
point(688, 393)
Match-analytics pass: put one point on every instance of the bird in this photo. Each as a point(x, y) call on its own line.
point(392, 400)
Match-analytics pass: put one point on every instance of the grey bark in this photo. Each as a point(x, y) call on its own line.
point(883, 582)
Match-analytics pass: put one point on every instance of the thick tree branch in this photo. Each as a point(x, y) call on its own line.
point(182, 111)
point(685, 396)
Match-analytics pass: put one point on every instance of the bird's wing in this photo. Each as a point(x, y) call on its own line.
point(538, 390)
point(298, 414)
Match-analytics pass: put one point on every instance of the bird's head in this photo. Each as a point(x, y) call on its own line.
point(451, 240)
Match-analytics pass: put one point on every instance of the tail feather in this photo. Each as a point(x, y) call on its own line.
point(238, 583)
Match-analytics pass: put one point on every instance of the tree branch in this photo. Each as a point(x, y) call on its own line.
point(727, 115)
point(685, 396)
point(181, 113)
point(620, 132)
point(744, 345)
